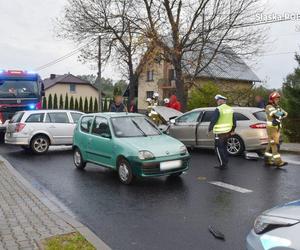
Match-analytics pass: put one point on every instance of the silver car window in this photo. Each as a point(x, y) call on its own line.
point(189, 118)
point(17, 117)
point(35, 118)
point(240, 117)
point(57, 117)
point(75, 116)
point(207, 116)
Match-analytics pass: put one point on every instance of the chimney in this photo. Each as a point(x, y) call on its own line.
point(52, 76)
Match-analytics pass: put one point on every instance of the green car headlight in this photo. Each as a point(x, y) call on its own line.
point(183, 150)
point(264, 223)
point(145, 155)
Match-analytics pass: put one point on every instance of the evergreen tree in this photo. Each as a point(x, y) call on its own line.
point(44, 102)
point(61, 102)
point(96, 107)
point(76, 104)
point(117, 90)
point(55, 102)
point(80, 104)
point(291, 103)
point(72, 103)
point(86, 105)
point(105, 106)
point(50, 102)
point(91, 105)
point(66, 101)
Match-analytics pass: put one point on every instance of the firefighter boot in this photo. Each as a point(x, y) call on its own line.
point(278, 162)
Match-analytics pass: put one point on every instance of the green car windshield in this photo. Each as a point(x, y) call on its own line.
point(133, 126)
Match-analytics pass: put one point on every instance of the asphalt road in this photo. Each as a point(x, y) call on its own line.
point(163, 213)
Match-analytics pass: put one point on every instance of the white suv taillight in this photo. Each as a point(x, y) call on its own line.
point(19, 127)
point(258, 125)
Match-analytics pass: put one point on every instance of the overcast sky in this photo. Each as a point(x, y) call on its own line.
point(28, 41)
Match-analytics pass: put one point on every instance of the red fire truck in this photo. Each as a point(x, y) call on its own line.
point(19, 90)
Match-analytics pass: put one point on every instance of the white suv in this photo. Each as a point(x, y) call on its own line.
point(37, 129)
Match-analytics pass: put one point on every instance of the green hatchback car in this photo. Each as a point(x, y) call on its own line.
point(129, 143)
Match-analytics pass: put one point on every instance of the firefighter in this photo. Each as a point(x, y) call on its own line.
point(223, 125)
point(275, 115)
point(152, 103)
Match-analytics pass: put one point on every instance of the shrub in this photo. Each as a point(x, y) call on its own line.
point(61, 102)
point(86, 105)
point(72, 103)
point(55, 102)
point(50, 102)
point(66, 101)
point(203, 96)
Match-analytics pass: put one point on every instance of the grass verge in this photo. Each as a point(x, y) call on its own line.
point(72, 241)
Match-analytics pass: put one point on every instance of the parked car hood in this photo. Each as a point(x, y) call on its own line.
point(290, 210)
point(160, 145)
point(166, 113)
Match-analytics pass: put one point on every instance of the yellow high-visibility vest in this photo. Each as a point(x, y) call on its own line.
point(225, 121)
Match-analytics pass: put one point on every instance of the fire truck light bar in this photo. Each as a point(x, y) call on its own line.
point(17, 72)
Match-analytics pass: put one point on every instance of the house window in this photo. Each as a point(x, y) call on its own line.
point(149, 94)
point(171, 75)
point(150, 75)
point(72, 87)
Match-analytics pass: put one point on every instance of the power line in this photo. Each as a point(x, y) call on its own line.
point(42, 67)
point(71, 53)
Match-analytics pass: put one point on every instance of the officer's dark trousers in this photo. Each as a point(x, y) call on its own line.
point(220, 147)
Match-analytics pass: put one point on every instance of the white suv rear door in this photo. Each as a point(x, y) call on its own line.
point(59, 126)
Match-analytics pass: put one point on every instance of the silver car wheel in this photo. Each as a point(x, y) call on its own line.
point(123, 172)
point(77, 158)
point(233, 145)
point(40, 145)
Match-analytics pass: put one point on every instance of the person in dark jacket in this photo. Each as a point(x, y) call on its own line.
point(260, 103)
point(222, 124)
point(118, 105)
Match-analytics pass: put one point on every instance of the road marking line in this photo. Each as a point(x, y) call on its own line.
point(231, 187)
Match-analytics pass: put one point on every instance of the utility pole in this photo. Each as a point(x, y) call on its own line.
point(99, 74)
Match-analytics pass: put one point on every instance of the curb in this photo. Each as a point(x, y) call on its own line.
point(85, 231)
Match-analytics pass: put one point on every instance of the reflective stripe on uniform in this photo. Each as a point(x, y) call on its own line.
point(276, 156)
point(268, 154)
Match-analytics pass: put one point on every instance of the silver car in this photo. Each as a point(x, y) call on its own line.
point(277, 228)
point(38, 129)
point(192, 129)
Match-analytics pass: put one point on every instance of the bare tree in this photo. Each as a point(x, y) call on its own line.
point(194, 35)
point(85, 20)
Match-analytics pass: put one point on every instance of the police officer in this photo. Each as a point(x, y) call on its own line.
point(223, 125)
point(275, 115)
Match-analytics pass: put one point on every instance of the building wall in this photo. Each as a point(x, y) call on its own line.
point(81, 91)
point(160, 83)
point(145, 85)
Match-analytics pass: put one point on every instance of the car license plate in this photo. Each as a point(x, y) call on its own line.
point(167, 165)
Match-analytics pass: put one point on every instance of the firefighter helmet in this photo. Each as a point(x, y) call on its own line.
point(274, 95)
